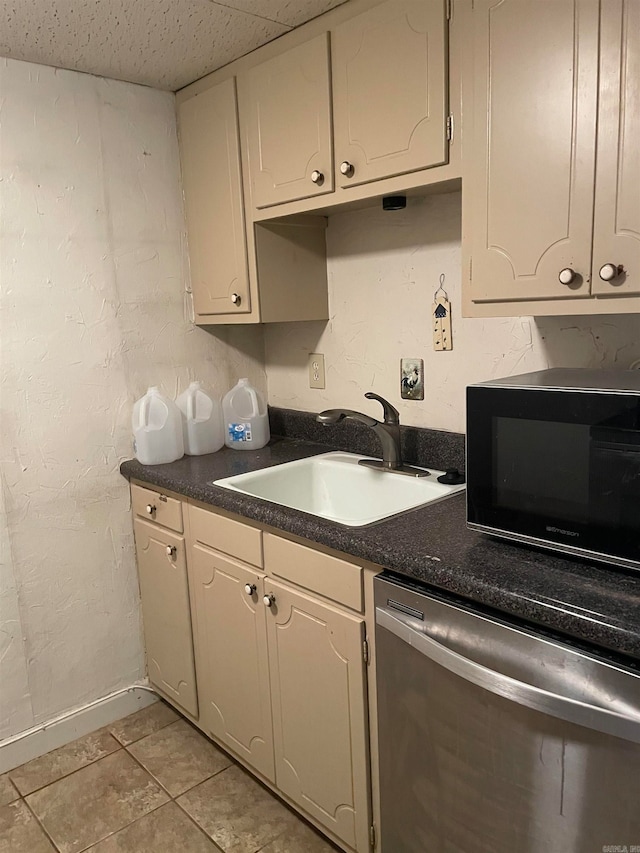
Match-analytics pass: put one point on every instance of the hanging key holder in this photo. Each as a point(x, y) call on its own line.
point(441, 315)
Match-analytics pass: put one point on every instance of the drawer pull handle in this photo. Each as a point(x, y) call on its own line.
point(269, 599)
point(171, 551)
point(317, 177)
point(236, 298)
point(250, 588)
point(150, 509)
point(346, 168)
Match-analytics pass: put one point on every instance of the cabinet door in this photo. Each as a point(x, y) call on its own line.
point(617, 214)
point(389, 90)
point(532, 152)
point(289, 126)
point(166, 613)
point(210, 155)
point(231, 655)
point(319, 711)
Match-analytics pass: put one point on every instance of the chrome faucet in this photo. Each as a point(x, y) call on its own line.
point(387, 431)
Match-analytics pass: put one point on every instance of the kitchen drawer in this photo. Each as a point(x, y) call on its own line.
point(226, 535)
point(154, 506)
point(328, 576)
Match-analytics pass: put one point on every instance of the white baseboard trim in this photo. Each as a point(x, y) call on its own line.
point(41, 739)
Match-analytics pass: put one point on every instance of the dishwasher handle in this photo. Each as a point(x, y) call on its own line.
point(562, 707)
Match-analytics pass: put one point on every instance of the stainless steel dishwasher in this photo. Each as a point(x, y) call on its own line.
point(494, 739)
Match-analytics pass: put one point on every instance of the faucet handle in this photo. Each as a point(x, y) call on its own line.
point(391, 414)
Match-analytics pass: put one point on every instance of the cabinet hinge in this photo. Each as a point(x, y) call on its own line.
point(365, 650)
point(372, 836)
point(450, 127)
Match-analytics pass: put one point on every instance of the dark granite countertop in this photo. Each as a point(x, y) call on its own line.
point(592, 604)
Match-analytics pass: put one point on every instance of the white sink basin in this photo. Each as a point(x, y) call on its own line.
point(335, 487)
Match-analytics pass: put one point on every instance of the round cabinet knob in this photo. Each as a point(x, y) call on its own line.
point(150, 509)
point(609, 271)
point(236, 298)
point(249, 588)
point(347, 168)
point(566, 276)
point(171, 551)
point(317, 177)
point(269, 599)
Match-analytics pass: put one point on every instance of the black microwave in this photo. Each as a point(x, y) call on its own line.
point(553, 459)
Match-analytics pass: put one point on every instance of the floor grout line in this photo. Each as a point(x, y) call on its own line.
point(121, 828)
point(150, 775)
point(67, 775)
point(41, 825)
point(195, 823)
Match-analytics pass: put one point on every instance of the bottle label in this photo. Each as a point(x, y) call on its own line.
point(240, 432)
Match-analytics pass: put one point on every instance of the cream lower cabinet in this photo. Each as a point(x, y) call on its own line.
point(281, 672)
point(317, 675)
point(233, 665)
point(166, 613)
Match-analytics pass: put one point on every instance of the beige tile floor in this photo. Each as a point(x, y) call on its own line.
point(150, 783)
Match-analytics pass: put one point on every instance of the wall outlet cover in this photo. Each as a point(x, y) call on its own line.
point(412, 378)
point(316, 370)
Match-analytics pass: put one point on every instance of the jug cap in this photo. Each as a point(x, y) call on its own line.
point(243, 382)
point(195, 386)
point(153, 389)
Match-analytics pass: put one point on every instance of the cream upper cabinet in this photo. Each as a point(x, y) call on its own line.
point(552, 169)
point(288, 114)
point(231, 655)
point(616, 243)
point(210, 156)
point(319, 710)
point(389, 91)
point(532, 155)
point(166, 614)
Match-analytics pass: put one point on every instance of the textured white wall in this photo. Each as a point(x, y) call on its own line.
point(383, 270)
point(92, 311)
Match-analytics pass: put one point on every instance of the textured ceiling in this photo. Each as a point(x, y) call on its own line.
point(161, 43)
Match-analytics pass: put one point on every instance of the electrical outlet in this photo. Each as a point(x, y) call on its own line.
point(316, 370)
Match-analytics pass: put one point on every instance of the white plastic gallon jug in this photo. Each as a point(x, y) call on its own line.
point(246, 421)
point(157, 429)
point(202, 427)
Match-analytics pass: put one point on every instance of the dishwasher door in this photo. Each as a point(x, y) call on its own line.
point(495, 740)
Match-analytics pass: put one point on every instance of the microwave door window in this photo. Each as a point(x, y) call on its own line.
point(615, 473)
point(542, 468)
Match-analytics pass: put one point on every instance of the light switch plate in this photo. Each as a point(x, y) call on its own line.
point(316, 370)
point(412, 378)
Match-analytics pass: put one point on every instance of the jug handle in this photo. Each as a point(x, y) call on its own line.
point(144, 412)
point(191, 407)
point(254, 401)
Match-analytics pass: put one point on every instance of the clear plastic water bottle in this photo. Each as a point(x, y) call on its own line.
point(202, 425)
point(246, 421)
point(157, 429)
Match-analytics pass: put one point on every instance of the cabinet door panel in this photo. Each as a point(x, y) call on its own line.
point(533, 147)
point(210, 156)
point(389, 82)
point(166, 614)
point(232, 662)
point(319, 708)
point(617, 213)
point(289, 129)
